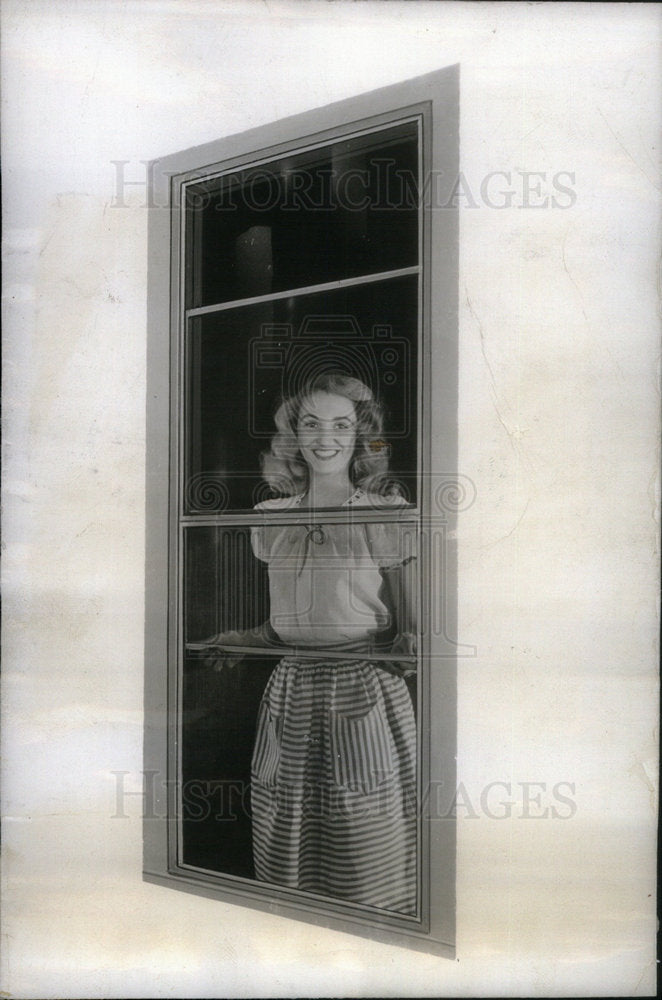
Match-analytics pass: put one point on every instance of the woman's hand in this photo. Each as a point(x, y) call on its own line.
point(260, 635)
point(404, 644)
point(219, 659)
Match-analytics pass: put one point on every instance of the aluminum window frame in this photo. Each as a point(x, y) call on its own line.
point(434, 101)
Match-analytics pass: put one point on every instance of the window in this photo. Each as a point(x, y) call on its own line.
point(300, 706)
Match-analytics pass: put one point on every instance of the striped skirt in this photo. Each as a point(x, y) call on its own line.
point(334, 783)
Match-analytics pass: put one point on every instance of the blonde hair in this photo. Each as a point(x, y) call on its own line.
point(283, 466)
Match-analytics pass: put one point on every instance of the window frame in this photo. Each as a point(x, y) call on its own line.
point(433, 99)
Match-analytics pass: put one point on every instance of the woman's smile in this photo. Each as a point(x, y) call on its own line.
point(326, 433)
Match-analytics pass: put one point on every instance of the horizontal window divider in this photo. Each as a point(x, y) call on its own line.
point(298, 652)
point(327, 286)
point(407, 515)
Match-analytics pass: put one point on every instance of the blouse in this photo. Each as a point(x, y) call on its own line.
point(325, 581)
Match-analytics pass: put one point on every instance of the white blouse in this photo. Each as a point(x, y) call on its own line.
point(325, 583)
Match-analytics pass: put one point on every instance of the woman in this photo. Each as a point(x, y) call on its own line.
point(334, 762)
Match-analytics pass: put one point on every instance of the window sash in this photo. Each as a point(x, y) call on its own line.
point(369, 131)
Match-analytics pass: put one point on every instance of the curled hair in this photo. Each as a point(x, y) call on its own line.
point(284, 467)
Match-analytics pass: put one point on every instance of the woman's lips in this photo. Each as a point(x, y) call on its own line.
point(326, 453)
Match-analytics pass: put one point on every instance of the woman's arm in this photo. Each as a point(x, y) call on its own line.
point(400, 583)
point(258, 635)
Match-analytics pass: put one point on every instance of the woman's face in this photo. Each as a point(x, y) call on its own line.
point(326, 432)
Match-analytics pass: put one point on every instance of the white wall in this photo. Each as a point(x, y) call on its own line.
point(559, 428)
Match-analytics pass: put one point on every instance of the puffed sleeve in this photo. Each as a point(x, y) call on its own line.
point(265, 537)
point(391, 543)
point(260, 534)
point(259, 543)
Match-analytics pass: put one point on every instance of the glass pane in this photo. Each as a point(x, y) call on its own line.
point(298, 765)
point(242, 361)
point(343, 210)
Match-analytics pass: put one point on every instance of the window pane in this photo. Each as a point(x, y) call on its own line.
point(299, 769)
point(226, 587)
point(241, 361)
point(219, 719)
point(343, 210)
